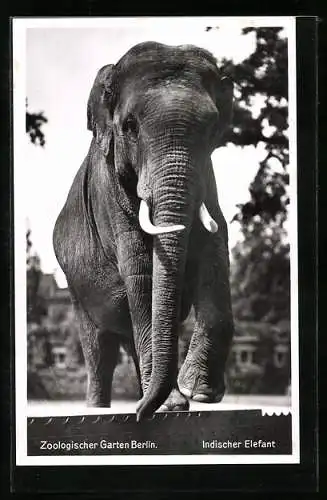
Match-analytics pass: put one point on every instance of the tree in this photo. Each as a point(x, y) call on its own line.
point(261, 269)
point(263, 74)
point(36, 306)
point(34, 122)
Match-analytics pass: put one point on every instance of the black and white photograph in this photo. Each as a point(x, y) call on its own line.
point(155, 212)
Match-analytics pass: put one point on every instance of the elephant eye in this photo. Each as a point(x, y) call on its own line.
point(130, 126)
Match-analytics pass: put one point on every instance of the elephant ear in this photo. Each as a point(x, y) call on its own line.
point(224, 103)
point(99, 116)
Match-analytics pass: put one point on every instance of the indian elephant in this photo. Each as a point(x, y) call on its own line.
point(141, 237)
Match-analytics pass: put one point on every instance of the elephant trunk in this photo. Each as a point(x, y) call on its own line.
point(173, 204)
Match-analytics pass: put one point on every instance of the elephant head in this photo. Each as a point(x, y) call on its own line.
point(157, 115)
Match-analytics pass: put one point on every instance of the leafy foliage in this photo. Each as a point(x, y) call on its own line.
point(34, 122)
point(261, 270)
point(36, 306)
point(260, 277)
point(263, 75)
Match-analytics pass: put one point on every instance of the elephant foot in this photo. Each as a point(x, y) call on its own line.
point(205, 395)
point(193, 384)
point(175, 402)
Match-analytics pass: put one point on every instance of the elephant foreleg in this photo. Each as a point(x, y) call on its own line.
point(176, 401)
point(139, 291)
point(101, 349)
point(202, 374)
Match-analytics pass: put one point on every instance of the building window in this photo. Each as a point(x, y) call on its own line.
point(244, 355)
point(60, 356)
point(280, 356)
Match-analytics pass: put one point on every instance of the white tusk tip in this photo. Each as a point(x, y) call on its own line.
point(213, 227)
point(207, 220)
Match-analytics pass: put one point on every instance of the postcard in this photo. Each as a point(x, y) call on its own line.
point(155, 215)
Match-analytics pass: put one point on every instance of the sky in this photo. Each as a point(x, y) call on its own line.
point(61, 64)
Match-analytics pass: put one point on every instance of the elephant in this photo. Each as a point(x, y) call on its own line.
point(141, 238)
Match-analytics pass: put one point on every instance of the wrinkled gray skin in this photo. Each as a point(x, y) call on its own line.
point(156, 117)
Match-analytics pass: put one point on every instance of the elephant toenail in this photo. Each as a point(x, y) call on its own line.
point(186, 392)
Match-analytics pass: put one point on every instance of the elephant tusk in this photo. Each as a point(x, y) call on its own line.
point(207, 220)
point(148, 227)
